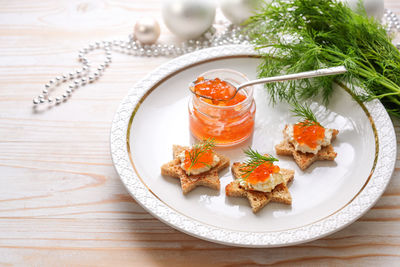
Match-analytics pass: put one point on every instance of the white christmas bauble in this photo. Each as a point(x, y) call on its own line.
point(188, 19)
point(146, 30)
point(237, 11)
point(374, 8)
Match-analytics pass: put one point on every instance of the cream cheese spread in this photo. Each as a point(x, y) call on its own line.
point(265, 186)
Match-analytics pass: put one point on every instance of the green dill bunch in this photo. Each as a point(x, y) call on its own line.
point(303, 35)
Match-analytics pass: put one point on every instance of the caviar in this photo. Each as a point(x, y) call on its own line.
point(262, 173)
point(217, 89)
point(308, 133)
point(204, 159)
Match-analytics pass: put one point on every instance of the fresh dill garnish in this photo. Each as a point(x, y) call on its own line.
point(198, 150)
point(302, 35)
point(305, 113)
point(254, 160)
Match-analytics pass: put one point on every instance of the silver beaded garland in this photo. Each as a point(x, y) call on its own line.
point(85, 75)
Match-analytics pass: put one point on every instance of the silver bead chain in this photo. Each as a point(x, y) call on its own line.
point(87, 74)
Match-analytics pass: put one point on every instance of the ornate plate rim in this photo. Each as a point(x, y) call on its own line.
point(355, 209)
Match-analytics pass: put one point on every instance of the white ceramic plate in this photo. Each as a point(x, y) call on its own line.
point(326, 197)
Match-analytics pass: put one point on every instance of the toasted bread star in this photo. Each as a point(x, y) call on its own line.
point(258, 199)
point(304, 160)
point(189, 182)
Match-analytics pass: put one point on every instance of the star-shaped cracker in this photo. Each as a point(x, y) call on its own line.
point(258, 199)
point(304, 160)
point(189, 182)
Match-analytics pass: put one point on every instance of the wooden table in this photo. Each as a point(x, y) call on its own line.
point(61, 201)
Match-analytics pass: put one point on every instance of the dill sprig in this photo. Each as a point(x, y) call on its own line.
point(199, 149)
point(303, 35)
point(254, 160)
point(305, 113)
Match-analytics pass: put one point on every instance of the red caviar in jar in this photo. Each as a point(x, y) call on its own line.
point(262, 173)
point(205, 158)
point(227, 122)
point(308, 133)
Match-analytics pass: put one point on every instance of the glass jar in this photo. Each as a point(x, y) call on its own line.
point(228, 125)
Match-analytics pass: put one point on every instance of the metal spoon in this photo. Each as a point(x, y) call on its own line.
point(287, 77)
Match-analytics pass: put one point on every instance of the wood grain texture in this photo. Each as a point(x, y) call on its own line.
point(61, 201)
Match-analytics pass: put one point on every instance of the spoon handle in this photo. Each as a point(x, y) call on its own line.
point(296, 76)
